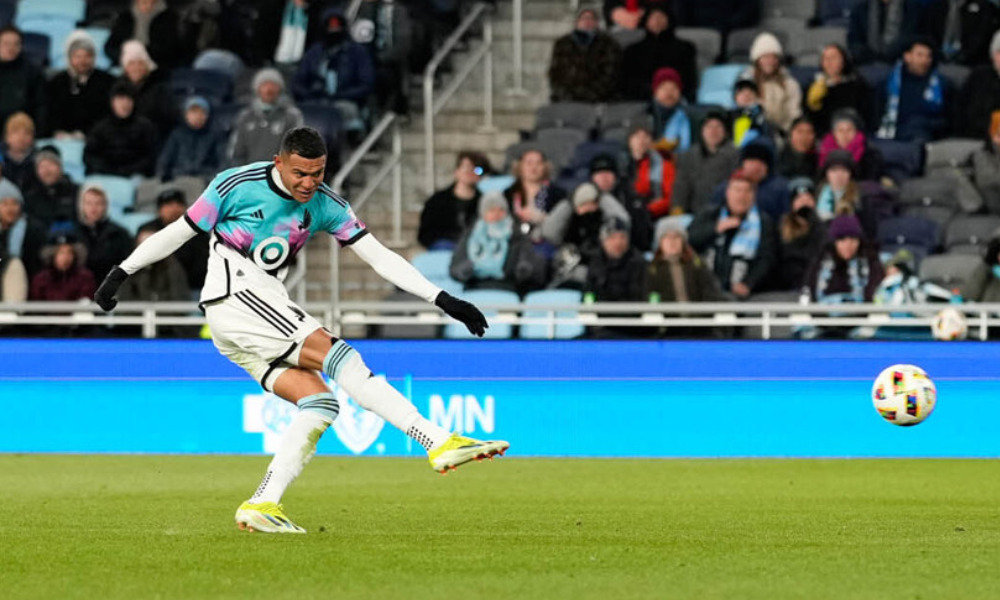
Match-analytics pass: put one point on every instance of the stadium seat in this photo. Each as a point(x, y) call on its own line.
point(70, 149)
point(133, 221)
point(809, 48)
point(835, 12)
point(77, 173)
point(903, 160)
point(930, 197)
point(956, 74)
point(949, 270)
point(952, 152)
point(35, 48)
point(804, 75)
point(74, 10)
point(587, 151)
point(707, 41)
point(875, 74)
point(56, 27)
point(538, 301)
point(624, 114)
point(800, 9)
point(216, 87)
point(969, 234)
point(220, 61)
point(495, 183)
point(435, 265)
point(716, 85)
point(909, 232)
point(575, 115)
point(224, 117)
point(120, 191)
point(557, 144)
point(485, 298)
point(739, 41)
point(100, 36)
point(397, 331)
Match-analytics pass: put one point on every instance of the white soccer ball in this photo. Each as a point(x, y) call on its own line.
point(949, 324)
point(904, 395)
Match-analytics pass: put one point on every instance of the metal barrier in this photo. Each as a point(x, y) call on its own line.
point(767, 316)
point(432, 107)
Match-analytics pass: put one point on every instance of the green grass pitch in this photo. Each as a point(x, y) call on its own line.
point(109, 527)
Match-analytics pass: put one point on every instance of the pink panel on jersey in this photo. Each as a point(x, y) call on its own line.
point(204, 213)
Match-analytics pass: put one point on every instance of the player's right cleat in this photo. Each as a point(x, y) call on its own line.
point(267, 517)
point(458, 450)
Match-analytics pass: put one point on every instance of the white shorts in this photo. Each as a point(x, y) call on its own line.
point(261, 331)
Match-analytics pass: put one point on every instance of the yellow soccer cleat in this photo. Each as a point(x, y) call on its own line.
point(458, 450)
point(267, 517)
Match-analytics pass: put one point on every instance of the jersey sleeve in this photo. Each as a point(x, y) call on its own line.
point(208, 210)
point(345, 225)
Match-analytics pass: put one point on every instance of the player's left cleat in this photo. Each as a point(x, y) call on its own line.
point(267, 517)
point(459, 450)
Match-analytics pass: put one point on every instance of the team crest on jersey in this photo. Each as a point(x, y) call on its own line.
point(271, 253)
point(306, 220)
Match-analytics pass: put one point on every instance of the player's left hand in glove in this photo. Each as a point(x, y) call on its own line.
point(105, 295)
point(463, 311)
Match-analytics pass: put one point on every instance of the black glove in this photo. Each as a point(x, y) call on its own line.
point(463, 311)
point(105, 295)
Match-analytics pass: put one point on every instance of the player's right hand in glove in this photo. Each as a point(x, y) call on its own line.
point(463, 311)
point(105, 295)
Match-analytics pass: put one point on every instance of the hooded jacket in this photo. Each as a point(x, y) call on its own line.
point(348, 62)
point(665, 49)
point(78, 101)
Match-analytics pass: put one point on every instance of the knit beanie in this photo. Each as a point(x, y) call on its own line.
point(48, 152)
point(603, 162)
point(613, 225)
point(847, 114)
point(845, 226)
point(197, 101)
point(9, 190)
point(268, 75)
point(801, 185)
point(584, 193)
point(134, 50)
point(765, 43)
point(79, 40)
point(667, 225)
point(758, 151)
point(491, 200)
point(665, 74)
point(839, 158)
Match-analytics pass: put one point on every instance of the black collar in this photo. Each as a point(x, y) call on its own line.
point(274, 187)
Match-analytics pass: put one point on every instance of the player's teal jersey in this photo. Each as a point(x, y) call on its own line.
point(252, 215)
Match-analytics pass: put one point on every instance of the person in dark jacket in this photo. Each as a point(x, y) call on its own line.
point(877, 29)
point(194, 147)
point(147, 83)
point(193, 255)
point(848, 270)
point(837, 86)
point(19, 150)
point(65, 277)
point(107, 242)
point(986, 167)
point(22, 84)
point(154, 24)
point(799, 157)
point(616, 272)
point(677, 273)
point(915, 99)
point(78, 95)
point(771, 193)
point(737, 239)
point(586, 63)
point(702, 168)
point(660, 48)
point(452, 210)
point(962, 29)
point(337, 70)
point(801, 237)
point(124, 143)
point(21, 236)
point(981, 94)
point(847, 133)
point(721, 15)
point(162, 281)
point(52, 197)
point(631, 14)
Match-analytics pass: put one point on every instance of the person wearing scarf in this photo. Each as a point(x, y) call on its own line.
point(747, 117)
point(840, 194)
point(671, 125)
point(737, 239)
point(651, 173)
point(846, 135)
point(802, 236)
point(586, 63)
point(837, 86)
point(78, 95)
point(21, 237)
point(677, 273)
point(915, 97)
point(532, 195)
point(848, 270)
point(155, 26)
point(704, 166)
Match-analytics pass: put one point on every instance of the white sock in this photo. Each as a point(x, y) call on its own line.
point(375, 394)
point(297, 446)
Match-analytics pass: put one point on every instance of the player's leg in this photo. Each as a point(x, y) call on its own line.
point(318, 408)
point(344, 365)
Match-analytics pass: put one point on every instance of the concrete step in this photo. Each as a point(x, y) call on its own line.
point(548, 29)
point(535, 9)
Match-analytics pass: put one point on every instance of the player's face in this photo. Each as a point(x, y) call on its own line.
point(301, 176)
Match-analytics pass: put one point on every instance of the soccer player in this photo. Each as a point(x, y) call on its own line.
point(259, 217)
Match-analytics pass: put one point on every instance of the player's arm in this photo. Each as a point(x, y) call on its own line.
point(397, 270)
point(158, 246)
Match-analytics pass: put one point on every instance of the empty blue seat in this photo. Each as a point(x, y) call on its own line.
point(538, 301)
point(35, 48)
point(56, 27)
point(435, 266)
point(133, 221)
point(909, 231)
point(491, 302)
point(70, 150)
point(224, 117)
point(716, 86)
point(74, 10)
point(903, 160)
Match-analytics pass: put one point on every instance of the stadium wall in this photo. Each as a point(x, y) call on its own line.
point(600, 399)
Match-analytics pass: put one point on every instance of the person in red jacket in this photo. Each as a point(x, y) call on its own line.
point(64, 279)
point(651, 172)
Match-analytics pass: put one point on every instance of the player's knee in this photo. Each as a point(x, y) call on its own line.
point(323, 404)
point(337, 358)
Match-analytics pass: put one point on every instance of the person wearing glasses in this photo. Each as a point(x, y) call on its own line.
point(452, 210)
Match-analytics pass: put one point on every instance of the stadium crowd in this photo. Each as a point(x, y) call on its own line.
point(798, 186)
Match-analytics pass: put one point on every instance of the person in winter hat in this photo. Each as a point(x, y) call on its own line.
point(780, 93)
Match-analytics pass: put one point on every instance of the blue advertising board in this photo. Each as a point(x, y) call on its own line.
point(574, 398)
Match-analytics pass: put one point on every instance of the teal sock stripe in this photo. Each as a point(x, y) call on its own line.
point(323, 403)
point(336, 358)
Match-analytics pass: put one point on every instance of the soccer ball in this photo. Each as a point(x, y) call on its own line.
point(949, 324)
point(904, 395)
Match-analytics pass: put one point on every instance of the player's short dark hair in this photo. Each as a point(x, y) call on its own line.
point(304, 141)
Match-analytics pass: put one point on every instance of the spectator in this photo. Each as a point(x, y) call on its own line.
point(840, 194)
point(748, 119)
point(677, 273)
point(671, 124)
point(493, 254)
point(78, 96)
point(606, 175)
point(981, 94)
point(147, 84)
point(532, 195)
point(193, 255)
point(163, 281)
point(258, 128)
point(194, 148)
point(107, 242)
point(984, 284)
point(153, 24)
point(124, 143)
point(22, 84)
point(961, 28)
point(586, 63)
point(802, 237)
point(848, 270)
point(64, 278)
point(779, 92)
point(915, 98)
point(986, 167)
point(631, 14)
point(651, 173)
point(617, 270)
point(902, 286)
point(737, 239)
point(846, 134)
point(52, 196)
point(837, 86)
point(452, 210)
point(721, 15)
point(704, 166)
point(799, 157)
point(21, 236)
point(19, 150)
point(338, 71)
point(386, 29)
point(878, 28)
point(660, 48)
point(771, 193)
